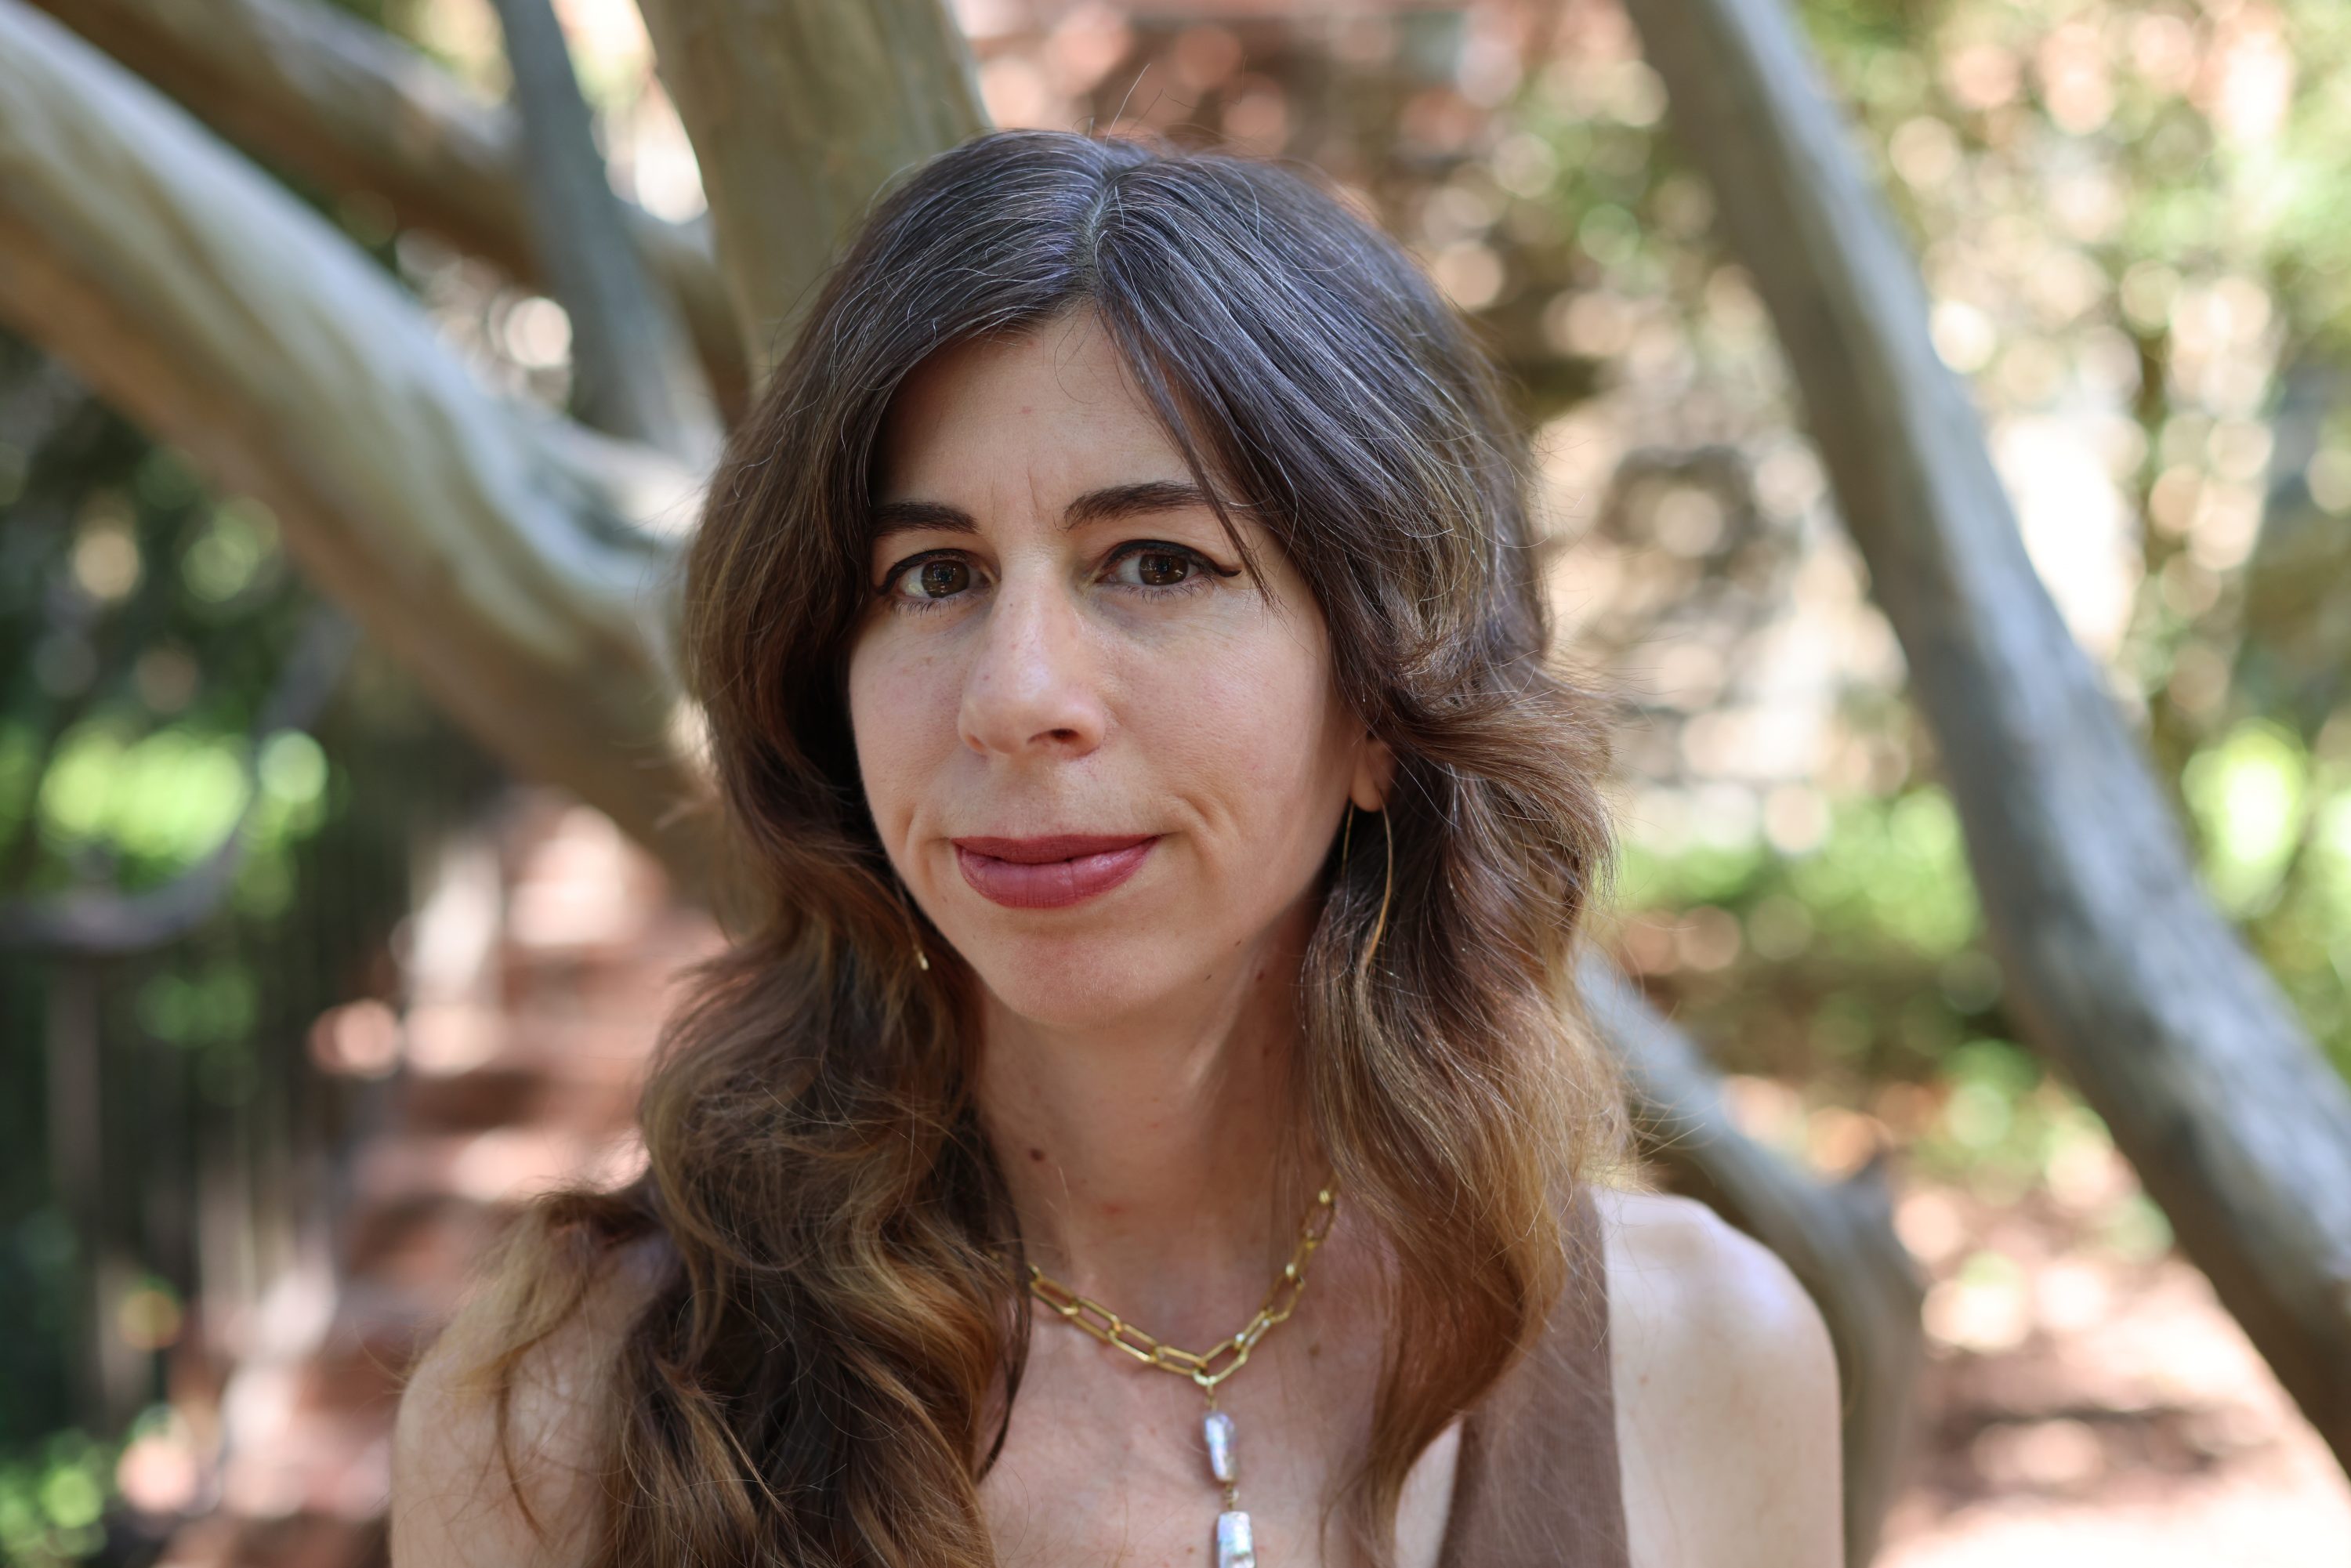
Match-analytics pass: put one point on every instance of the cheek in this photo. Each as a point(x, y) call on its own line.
point(1252, 723)
point(895, 700)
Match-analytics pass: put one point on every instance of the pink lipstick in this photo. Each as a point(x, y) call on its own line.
point(1052, 872)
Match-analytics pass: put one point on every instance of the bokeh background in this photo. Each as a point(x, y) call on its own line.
point(299, 990)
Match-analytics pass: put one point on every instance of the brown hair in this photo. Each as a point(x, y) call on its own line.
point(822, 1376)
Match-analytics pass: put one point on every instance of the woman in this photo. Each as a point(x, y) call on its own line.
point(1126, 669)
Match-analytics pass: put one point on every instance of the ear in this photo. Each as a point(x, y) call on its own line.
point(1374, 772)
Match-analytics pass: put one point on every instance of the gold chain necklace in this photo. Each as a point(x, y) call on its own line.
point(1207, 1368)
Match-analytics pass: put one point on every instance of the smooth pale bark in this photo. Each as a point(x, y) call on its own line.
point(2117, 963)
point(322, 95)
point(500, 553)
point(800, 112)
point(1838, 1240)
point(629, 373)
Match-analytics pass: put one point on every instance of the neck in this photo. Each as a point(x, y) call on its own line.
point(1144, 1158)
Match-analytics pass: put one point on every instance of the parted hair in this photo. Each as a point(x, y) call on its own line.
point(824, 1365)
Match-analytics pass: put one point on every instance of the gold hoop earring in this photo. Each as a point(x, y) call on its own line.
point(1388, 886)
point(914, 931)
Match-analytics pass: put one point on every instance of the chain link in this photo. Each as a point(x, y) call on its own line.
point(1209, 1367)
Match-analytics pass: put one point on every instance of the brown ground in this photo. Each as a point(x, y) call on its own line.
point(2082, 1408)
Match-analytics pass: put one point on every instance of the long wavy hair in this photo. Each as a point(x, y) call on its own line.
point(822, 1371)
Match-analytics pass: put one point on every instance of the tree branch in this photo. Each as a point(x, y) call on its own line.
point(2117, 964)
point(325, 96)
point(627, 362)
point(800, 110)
point(496, 550)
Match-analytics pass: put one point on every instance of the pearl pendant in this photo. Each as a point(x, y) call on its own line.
point(1222, 1462)
point(1234, 1549)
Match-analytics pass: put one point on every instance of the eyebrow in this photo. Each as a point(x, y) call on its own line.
point(1104, 504)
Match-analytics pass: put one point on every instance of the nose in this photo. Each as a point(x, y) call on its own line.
point(1032, 684)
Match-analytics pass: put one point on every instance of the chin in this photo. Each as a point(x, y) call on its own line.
point(1088, 980)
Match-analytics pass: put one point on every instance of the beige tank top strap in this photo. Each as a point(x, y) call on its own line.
point(1537, 1485)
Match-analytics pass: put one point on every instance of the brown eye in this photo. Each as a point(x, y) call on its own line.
point(942, 578)
point(1162, 568)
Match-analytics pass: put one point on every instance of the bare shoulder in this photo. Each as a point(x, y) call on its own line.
point(1726, 1392)
point(453, 1503)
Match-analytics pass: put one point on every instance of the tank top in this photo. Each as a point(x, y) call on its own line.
point(1537, 1483)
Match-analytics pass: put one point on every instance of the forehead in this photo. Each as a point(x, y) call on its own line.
point(1053, 407)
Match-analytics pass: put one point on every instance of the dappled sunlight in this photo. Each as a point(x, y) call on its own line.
point(2090, 1403)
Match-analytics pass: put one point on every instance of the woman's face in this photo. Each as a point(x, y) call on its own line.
point(1104, 764)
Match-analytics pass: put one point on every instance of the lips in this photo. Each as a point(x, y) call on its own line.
point(1051, 872)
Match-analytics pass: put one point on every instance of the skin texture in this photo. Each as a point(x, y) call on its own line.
point(1131, 1060)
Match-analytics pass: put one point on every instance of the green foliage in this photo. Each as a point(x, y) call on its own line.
point(1889, 877)
point(53, 1501)
point(213, 1003)
point(2272, 819)
point(1855, 963)
point(231, 556)
point(2248, 793)
point(1701, 872)
point(2000, 1122)
point(153, 624)
point(1892, 871)
point(159, 802)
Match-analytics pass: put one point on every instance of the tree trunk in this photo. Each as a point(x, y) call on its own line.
point(800, 110)
point(628, 376)
point(2117, 964)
